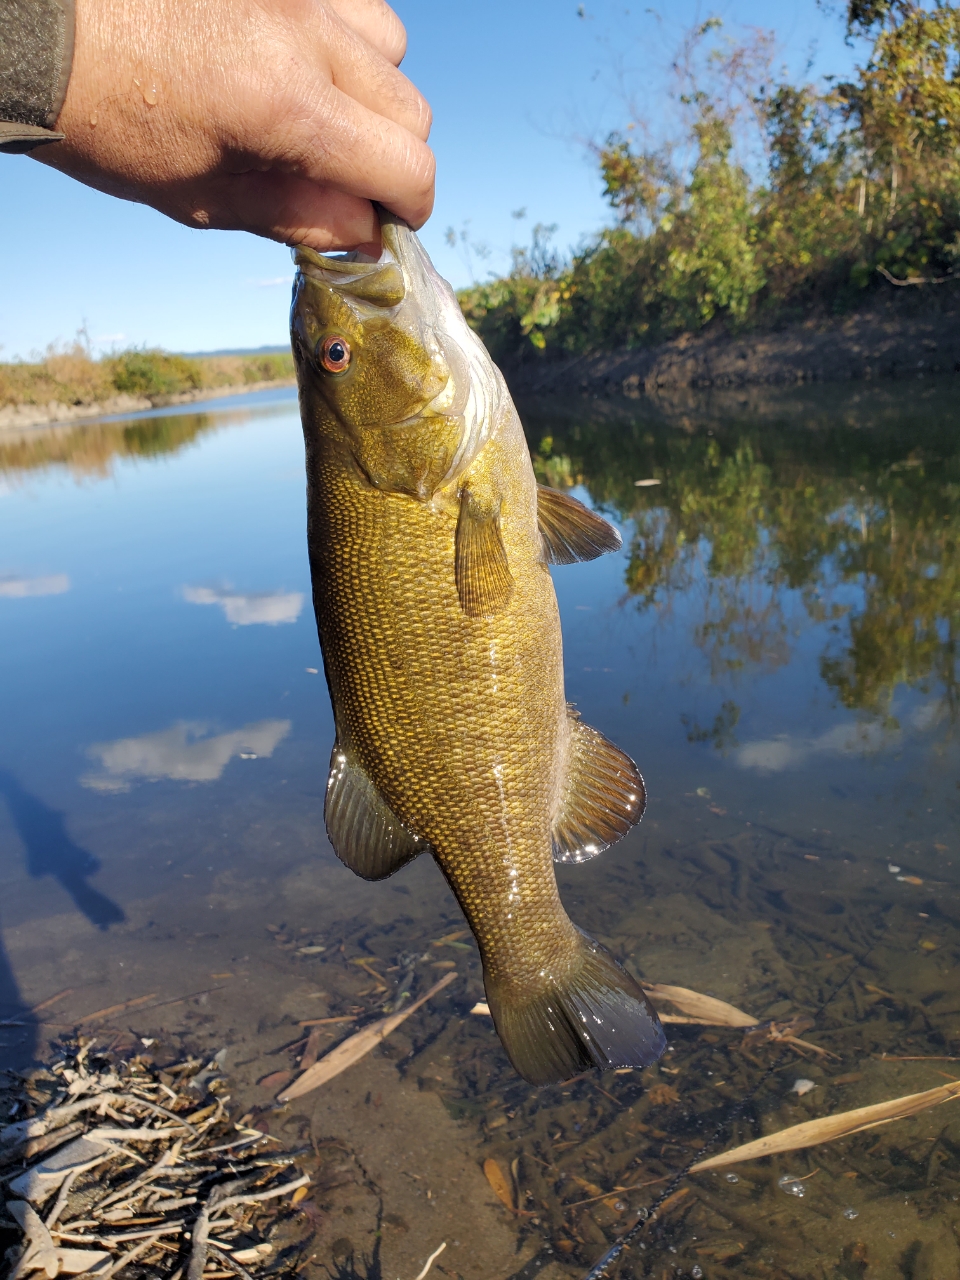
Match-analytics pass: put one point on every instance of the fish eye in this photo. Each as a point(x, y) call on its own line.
point(334, 353)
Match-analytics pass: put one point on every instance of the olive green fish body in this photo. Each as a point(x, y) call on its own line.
point(429, 542)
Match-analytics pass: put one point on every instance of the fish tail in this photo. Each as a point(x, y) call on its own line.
point(596, 1015)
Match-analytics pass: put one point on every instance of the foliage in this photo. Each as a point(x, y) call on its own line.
point(154, 373)
point(776, 198)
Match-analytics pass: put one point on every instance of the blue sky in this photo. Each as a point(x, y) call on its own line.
point(517, 87)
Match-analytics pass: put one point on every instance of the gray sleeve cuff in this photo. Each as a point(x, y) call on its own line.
point(36, 55)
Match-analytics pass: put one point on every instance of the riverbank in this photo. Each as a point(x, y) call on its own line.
point(907, 334)
point(17, 417)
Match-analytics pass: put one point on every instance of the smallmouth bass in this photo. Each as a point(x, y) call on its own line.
point(429, 544)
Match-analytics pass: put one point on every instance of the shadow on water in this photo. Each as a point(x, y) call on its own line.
point(51, 852)
point(18, 1026)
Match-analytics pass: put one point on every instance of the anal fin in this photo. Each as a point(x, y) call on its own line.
point(570, 531)
point(603, 797)
point(365, 832)
point(484, 580)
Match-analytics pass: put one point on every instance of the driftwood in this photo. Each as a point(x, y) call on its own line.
point(83, 1168)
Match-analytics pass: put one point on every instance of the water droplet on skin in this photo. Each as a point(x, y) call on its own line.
point(731, 1177)
point(791, 1185)
point(850, 1214)
point(148, 90)
point(93, 120)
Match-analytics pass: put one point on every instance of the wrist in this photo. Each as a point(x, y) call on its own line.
point(36, 57)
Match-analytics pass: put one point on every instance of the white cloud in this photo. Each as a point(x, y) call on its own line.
point(773, 755)
point(270, 607)
point(185, 753)
point(53, 584)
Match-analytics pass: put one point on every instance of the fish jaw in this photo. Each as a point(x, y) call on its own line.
point(420, 397)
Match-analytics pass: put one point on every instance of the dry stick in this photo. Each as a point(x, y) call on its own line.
point(201, 1228)
point(231, 1262)
point(430, 1261)
point(322, 1022)
point(45, 1004)
point(129, 1256)
point(115, 1008)
point(166, 1161)
point(58, 1208)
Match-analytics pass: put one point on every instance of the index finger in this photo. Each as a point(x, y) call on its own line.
point(376, 23)
point(338, 142)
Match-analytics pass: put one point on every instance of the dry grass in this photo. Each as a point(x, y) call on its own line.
point(71, 376)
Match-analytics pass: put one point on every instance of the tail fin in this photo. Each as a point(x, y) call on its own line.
point(597, 1016)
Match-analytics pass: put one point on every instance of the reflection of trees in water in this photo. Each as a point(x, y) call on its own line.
point(854, 507)
point(89, 449)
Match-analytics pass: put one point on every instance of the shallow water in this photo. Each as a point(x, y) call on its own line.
point(776, 646)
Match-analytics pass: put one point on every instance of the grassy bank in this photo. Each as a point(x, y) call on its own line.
point(73, 377)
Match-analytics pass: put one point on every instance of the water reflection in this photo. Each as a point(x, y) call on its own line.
point(775, 647)
point(268, 607)
point(797, 510)
point(186, 752)
point(52, 852)
point(18, 588)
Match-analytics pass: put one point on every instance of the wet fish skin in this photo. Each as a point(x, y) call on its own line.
point(441, 640)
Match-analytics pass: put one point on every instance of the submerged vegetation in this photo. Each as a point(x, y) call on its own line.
point(73, 377)
point(774, 200)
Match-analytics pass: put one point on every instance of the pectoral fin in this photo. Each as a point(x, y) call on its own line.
point(484, 581)
point(603, 798)
point(365, 832)
point(570, 531)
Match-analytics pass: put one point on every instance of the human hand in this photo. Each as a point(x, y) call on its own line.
point(280, 117)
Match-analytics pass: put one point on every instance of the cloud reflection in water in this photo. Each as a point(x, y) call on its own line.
point(773, 755)
point(186, 752)
point(243, 610)
point(51, 584)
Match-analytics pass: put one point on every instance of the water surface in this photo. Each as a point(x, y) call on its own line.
point(776, 646)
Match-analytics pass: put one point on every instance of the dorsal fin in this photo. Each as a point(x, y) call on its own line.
point(365, 832)
point(570, 531)
point(603, 796)
point(484, 580)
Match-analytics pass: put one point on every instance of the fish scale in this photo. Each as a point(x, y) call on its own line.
point(429, 542)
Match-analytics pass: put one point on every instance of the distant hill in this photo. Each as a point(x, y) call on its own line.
point(239, 351)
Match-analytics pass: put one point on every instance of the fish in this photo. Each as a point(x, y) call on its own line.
point(430, 545)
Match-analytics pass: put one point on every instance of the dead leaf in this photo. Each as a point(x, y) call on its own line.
point(356, 1047)
point(301, 1193)
point(662, 1095)
point(275, 1080)
point(501, 1188)
point(311, 1051)
point(828, 1128)
point(706, 1010)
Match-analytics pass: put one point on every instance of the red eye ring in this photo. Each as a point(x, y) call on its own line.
point(334, 353)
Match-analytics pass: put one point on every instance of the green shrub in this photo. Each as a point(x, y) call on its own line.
point(154, 373)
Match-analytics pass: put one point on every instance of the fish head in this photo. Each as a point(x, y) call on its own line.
point(388, 365)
